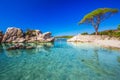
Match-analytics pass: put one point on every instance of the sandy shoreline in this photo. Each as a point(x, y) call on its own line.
point(97, 40)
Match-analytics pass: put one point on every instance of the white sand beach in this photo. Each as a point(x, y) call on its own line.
point(105, 41)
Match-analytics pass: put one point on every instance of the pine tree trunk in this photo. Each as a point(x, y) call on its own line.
point(96, 31)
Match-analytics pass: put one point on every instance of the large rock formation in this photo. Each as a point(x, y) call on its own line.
point(1, 36)
point(45, 37)
point(16, 35)
point(36, 35)
point(32, 35)
point(13, 35)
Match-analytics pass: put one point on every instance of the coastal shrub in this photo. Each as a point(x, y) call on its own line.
point(93, 33)
point(103, 33)
point(85, 33)
point(116, 34)
point(30, 32)
point(63, 36)
point(111, 33)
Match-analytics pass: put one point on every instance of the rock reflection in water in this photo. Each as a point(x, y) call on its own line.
point(39, 47)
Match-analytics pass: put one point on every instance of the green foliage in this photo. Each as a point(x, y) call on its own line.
point(118, 27)
point(111, 33)
point(63, 36)
point(30, 32)
point(116, 34)
point(95, 17)
point(103, 13)
point(93, 33)
point(85, 33)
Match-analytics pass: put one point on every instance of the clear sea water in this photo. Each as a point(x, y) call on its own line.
point(60, 60)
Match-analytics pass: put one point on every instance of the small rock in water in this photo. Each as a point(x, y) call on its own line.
point(29, 47)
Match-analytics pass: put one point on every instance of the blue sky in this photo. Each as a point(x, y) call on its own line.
point(60, 17)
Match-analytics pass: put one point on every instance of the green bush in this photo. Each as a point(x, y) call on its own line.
point(111, 33)
point(93, 33)
point(63, 36)
point(116, 34)
point(30, 32)
point(85, 33)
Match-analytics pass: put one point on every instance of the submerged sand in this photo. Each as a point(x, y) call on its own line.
point(108, 43)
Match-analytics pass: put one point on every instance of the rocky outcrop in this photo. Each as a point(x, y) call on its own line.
point(45, 37)
point(13, 35)
point(1, 36)
point(36, 35)
point(16, 35)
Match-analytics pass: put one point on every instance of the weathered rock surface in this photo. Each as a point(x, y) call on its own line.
point(16, 35)
point(13, 35)
point(36, 35)
point(1, 36)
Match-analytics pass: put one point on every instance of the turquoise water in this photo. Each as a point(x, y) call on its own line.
point(60, 61)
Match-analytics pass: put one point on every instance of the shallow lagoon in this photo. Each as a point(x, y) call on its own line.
point(60, 60)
